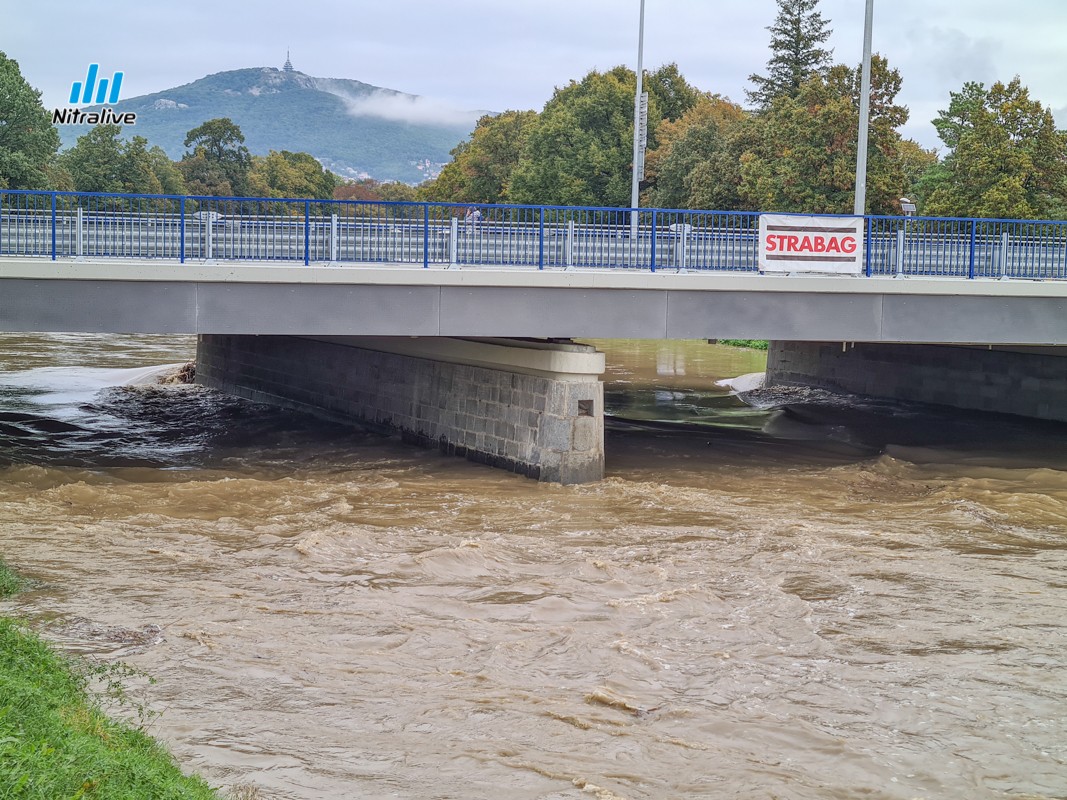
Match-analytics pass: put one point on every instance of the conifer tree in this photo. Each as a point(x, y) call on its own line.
point(796, 52)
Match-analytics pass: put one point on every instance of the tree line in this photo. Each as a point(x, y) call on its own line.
point(793, 149)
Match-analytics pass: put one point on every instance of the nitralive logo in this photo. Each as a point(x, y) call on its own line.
point(82, 92)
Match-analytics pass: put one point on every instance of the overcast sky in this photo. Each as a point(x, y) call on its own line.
point(502, 54)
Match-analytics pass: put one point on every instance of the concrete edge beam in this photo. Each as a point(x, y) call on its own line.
point(561, 362)
point(413, 274)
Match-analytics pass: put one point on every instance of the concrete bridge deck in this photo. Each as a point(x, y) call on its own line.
point(406, 300)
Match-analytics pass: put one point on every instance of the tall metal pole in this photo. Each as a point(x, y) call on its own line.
point(635, 185)
point(860, 204)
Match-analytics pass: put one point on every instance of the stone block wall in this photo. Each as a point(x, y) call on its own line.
point(1027, 382)
point(550, 430)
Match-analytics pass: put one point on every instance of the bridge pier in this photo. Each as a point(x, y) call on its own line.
point(528, 406)
point(1027, 381)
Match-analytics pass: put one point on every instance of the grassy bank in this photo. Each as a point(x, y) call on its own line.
point(10, 582)
point(56, 743)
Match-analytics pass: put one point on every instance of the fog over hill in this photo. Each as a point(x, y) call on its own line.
point(353, 128)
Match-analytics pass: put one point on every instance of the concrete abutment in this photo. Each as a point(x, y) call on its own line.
point(531, 407)
point(1026, 381)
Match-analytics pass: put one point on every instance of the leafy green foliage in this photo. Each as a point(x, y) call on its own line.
point(396, 192)
point(581, 150)
point(94, 163)
point(578, 151)
point(102, 162)
point(166, 171)
point(695, 165)
point(748, 344)
point(481, 168)
point(674, 95)
point(963, 111)
point(796, 54)
point(28, 141)
point(219, 163)
point(205, 177)
point(56, 743)
point(800, 154)
point(288, 174)
point(1007, 159)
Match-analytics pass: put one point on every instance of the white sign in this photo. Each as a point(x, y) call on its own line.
point(793, 243)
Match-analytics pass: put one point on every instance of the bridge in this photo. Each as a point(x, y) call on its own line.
point(275, 286)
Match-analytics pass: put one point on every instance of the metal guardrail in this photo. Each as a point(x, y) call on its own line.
point(207, 229)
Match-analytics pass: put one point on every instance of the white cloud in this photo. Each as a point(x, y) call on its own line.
point(399, 107)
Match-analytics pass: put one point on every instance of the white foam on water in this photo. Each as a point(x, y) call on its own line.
point(743, 383)
point(71, 386)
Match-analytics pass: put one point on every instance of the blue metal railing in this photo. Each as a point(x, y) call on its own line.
point(61, 225)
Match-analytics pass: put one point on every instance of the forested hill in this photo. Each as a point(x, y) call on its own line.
point(353, 128)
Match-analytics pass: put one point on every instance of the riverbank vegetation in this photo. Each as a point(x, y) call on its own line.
point(751, 344)
point(56, 742)
point(10, 581)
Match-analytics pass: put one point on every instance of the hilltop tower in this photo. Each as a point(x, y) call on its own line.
point(288, 66)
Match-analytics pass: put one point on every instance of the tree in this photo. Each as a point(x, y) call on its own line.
point(580, 151)
point(94, 162)
point(480, 170)
point(367, 189)
point(218, 163)
point(1007, 159)
point(296, 175)
point(166, 171)
point(397, 192)
point(694, 166)
point(962, 113)
point(370, 190)
point(800, 154)
point(135, 169)
point(28, 140)
point(101, 162)
point(674, 95)
point(796, 53)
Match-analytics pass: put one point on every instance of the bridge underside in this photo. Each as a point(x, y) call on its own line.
point(535, 408)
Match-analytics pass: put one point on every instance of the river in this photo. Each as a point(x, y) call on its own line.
point(802, 596)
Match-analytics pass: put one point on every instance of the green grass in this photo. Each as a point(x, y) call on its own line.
point(752, 344)
point(9, 581)
point(55, 741)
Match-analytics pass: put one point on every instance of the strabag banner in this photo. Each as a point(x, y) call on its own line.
point(793, 243)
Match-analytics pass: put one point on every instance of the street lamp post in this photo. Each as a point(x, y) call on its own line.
point(639, 156)
point(860, 204)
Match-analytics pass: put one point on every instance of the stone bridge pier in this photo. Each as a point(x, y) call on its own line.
point(1003, 379)
point(535, 407)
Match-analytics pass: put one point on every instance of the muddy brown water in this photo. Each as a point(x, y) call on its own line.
point(798, 596)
